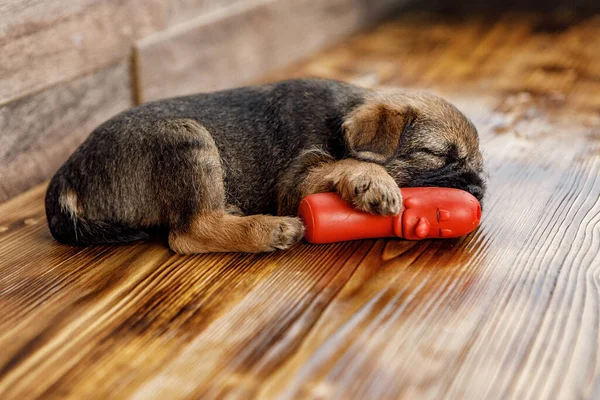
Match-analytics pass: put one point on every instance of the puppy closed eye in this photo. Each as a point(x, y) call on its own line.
point(433, 153)
point(431, 158)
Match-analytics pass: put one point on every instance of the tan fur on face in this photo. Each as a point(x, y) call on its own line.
point(433, 114)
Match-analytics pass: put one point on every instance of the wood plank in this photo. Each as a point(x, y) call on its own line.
point(260, 36)
point(38, 132)
point(510, 311)
point(43, 43)
point(184, 10)
point(180, 11)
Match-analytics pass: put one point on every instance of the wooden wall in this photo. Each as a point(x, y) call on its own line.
point(65, 66)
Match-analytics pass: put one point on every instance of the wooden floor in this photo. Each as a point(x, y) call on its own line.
point(511, 311)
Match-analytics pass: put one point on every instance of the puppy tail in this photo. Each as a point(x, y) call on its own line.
point(63, 212)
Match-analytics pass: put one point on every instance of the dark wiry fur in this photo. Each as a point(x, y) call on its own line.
point(165, 165)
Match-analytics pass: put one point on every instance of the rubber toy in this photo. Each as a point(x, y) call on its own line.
point(427, 212)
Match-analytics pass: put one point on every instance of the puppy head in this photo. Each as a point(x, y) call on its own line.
point(421, 139)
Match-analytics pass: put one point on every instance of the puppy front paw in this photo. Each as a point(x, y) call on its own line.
point(375, 194)
point(288, 232)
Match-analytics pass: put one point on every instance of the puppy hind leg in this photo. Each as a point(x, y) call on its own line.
point(199, 219)
point(189, 174)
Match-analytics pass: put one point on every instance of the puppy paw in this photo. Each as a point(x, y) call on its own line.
point(375, 194)
point(287, 232)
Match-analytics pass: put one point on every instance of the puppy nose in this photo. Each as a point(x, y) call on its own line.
point(476, 191)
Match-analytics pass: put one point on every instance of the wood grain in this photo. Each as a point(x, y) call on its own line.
point(38, 132)
point(511, 311)
point(43, 43)
point(181, 11)
point(259, 36)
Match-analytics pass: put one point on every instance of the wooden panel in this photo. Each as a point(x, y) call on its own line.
point(510, 311)
point(38, 132)
point(185, 10)
point(244, 42)
point(27, 16)
point(180, 11)
point(46, 42)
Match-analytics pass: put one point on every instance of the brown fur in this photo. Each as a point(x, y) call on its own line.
point(366, 185)
point(214, 226)
point(373, 130)
point(220, 227)
point(219, 232)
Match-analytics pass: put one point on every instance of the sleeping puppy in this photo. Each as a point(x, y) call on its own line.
point(212, 170)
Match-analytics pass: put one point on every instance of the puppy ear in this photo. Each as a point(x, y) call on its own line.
point(373, 130)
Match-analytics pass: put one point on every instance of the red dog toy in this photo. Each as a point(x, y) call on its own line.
point(427, 212)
